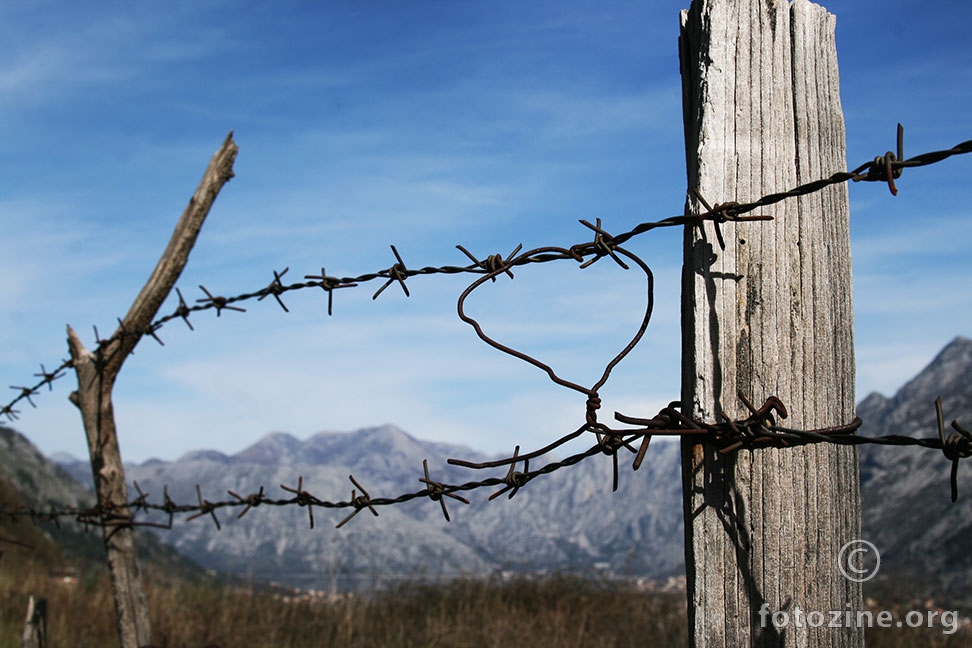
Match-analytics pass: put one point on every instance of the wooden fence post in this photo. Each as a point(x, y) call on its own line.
point(96, 371)
point(770, 314)
point(35, 627)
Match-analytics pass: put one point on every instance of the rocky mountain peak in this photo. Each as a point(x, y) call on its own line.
point(273, 449)
point(198, 455)
point(949, 373)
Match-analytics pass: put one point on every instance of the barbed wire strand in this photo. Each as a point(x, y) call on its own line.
point(884, 168)
point(758, 429)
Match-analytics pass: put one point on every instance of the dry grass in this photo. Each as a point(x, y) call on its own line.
point(559, 611)
point(556, 611)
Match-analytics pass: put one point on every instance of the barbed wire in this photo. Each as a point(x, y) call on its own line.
point(884, 168)
point(758, 429)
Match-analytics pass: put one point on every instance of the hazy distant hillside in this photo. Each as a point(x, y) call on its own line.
point(41, 484)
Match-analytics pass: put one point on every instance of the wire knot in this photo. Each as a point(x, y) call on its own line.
point(758, 425)
point(514, 479)
point(329, 284)
point(957, 445)
point(168, 505)
point(723, 212)
point(611, 443)
point(593, 404)
point(603, 245)
point(884, 168)
point(494, 263)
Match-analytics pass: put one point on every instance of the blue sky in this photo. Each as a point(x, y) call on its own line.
point(424, 125)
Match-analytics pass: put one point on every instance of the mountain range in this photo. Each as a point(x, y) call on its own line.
point(568, 520)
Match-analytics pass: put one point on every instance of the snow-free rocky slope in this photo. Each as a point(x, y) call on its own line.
point(569, 520)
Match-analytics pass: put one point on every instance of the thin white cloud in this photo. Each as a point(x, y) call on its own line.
point(914, 296)
point(69, 50)
point(930, 234)
point(559, 115)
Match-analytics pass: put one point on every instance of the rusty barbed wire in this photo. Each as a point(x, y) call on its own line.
point(884, 168)
point(758, 430)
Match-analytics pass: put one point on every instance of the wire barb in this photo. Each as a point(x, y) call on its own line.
point(183, 310)
point(251, 501)
point(218, 302)
point(205, 506)
point(494, 263)
point(9, 412)
point(397, 272)
point(329, 284)
point(359, 502)
point(957, 445)
point(303, 498)
point(603, 245)
point(275, 288)
point(50, 377)
point(436, 490)
point(26, 393)
point(514, 479)
point(884, 168)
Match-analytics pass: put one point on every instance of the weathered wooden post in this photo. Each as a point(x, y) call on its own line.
point(35, 627)
point(770, 314)
point(96, 371)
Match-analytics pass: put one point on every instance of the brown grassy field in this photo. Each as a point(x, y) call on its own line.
point(554, 611)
